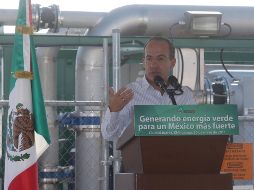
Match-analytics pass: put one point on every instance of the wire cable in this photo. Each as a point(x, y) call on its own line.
point(182, 61)
point(223, 65)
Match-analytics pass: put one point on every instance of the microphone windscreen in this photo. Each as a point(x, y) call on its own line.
point(158, 80)
point(173, 81)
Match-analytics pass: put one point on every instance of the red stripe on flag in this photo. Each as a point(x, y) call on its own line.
point(27, 180)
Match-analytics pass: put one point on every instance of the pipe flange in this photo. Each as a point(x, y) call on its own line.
point(85, 128)
point(56, 174)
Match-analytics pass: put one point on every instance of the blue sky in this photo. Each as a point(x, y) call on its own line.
point(100, 6)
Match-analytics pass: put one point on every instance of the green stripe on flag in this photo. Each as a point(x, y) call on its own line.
point(41, 125)
point(21, 17)
point(17, 59)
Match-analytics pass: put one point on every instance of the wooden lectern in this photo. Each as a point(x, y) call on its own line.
point(172, 162)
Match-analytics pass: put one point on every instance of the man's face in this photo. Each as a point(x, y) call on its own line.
point(157, 61)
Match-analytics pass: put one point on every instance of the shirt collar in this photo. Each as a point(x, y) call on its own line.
point(145, 83)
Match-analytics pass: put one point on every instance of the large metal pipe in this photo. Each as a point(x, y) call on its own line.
point(78, 19)
point(69, 19)
point(147, 19)
point(8, 16)
point(150, 20)
point(49, 161)
point(88, 142)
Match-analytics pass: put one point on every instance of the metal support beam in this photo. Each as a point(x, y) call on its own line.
point(60, 40)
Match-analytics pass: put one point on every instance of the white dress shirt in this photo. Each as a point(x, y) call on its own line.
point(114, 123)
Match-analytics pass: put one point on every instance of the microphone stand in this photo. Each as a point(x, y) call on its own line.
point(171, 93)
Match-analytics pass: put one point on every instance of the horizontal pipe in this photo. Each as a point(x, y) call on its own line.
point(150, 20)
point(5, 103)
point(69, 19)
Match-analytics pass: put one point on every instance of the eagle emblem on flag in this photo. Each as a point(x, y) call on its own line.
point(20, 131)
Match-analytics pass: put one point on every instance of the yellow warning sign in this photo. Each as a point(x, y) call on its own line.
point(238, 160)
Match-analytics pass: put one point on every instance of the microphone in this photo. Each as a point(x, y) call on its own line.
point(159, 81)
point(174, 82)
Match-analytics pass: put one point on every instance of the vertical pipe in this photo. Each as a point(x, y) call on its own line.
point(1, 97)
point(197, 83)
point(87, 157)
point(2, 73)
point(49, 161)
point(116, 58)
point(89, 86)
point(106, 70)
point(105, 144)
point(116, 86)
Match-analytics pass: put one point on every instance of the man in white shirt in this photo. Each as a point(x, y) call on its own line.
point(159, 60)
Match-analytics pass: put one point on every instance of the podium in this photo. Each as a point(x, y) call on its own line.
point(172, 162)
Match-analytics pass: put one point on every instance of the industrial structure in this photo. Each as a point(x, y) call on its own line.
point(83, 53)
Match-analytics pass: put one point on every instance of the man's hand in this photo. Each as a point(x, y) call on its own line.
point(119, 99)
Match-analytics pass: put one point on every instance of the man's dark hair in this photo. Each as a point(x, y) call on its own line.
point(170, 45)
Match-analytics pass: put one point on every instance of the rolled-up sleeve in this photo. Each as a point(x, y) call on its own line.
point(114, 123)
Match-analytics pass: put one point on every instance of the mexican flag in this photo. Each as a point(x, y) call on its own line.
point(27, 134)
